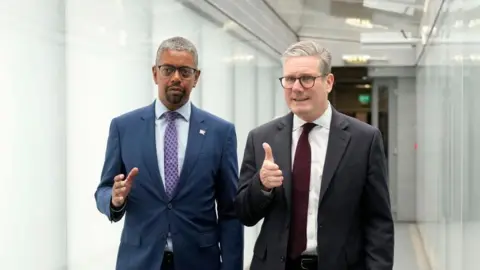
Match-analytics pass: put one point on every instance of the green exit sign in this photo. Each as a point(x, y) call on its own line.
point(364, 99)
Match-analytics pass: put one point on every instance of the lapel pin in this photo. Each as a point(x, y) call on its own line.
point(202, 131)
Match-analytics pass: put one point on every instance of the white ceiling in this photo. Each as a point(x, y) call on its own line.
point(356, 32)
point(386, 32)
point(351, 20)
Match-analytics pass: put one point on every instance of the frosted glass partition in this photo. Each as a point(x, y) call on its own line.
point(267, 86)
point(217, 71)
point(245, 74)
point(244, 85)
point(448, 155)
point(281, 107)
point(108, 65)
point(32, 138)
point(68, 67)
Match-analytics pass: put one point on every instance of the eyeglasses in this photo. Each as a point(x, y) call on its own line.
point(169, 70)
point(306, 81)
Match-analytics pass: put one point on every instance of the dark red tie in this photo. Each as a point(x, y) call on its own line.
point(300, 190)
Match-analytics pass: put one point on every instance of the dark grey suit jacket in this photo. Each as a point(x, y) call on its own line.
point(355, 227)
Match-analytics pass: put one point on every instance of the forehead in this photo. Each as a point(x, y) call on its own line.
point(176, 58)
point(301, 65)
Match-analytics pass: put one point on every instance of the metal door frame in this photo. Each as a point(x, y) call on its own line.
point(390, 83)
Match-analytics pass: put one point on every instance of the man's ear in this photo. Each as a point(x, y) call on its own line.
point(330, 79)
point(197, 76)
point(154, 74)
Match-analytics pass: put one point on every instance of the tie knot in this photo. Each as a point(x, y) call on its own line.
point(307, 127)
point(171, 116)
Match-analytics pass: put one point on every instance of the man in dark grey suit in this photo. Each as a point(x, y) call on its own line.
point(317, 177)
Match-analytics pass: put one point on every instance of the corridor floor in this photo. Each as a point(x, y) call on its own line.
point(409, 253)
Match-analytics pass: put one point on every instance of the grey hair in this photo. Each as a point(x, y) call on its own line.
point(311, 48)
point(177, 44)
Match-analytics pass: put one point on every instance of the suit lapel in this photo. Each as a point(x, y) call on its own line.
point(282, 154)
point(337, 144)
point(196, 135)
point(150, 151)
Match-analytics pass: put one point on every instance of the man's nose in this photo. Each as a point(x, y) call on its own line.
point(175, 76)
point(297, 86)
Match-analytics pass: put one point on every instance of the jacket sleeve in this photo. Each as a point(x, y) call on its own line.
point(378, 228)
point(252, 202)
point(231, 230)
point(112, 166)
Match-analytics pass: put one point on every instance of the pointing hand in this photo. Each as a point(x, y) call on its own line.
point(122, 186)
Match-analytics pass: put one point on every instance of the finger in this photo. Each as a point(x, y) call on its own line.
point(119, 184)
point(270, 166)
point(118, 200)
point(275, 173)
point(119, 191)
point(268, 152)
point(132, 174)
point(271, 173)
point(275, 180)
point(119, 177)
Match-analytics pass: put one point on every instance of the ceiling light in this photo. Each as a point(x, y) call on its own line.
point(425, 6)
point(239, 58)
point(363, 86)
point(356, 59)
point(359, 22)
point(229, 25)
point(458, 24)
point(474, 57)
point(473, 23)
point(471, 57)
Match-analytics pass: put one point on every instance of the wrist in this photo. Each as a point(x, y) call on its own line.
point(115, 207)
point(263, 187)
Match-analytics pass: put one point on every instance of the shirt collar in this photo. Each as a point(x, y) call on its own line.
point(184, 111)
point(323, 121)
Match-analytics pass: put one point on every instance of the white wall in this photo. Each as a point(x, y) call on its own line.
point(68, 67)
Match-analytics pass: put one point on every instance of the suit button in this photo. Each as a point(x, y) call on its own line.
point(282, 258)
point(169, 206)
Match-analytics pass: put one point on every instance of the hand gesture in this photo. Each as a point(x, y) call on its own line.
point(270, 174)
point(122, 186)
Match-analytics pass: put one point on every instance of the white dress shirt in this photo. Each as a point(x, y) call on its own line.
point(318, 139)
point(182, 124)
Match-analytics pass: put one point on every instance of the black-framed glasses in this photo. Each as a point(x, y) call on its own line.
point(184, 71)
point(306, 81)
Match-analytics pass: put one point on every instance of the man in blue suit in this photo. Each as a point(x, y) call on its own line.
point(166, 165)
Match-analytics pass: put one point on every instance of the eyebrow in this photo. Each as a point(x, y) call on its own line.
point(300, 75)
point(176, 66)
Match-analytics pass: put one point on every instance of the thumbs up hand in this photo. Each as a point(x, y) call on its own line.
point(270, 174)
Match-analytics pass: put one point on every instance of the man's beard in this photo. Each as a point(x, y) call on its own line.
point(175, 96)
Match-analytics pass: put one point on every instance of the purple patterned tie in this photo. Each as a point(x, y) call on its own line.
point(170, 150)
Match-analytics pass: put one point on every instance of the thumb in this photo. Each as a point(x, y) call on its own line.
point(268, 152)
point(132, 174)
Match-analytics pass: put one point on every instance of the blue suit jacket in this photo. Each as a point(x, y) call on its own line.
point(209, 175)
